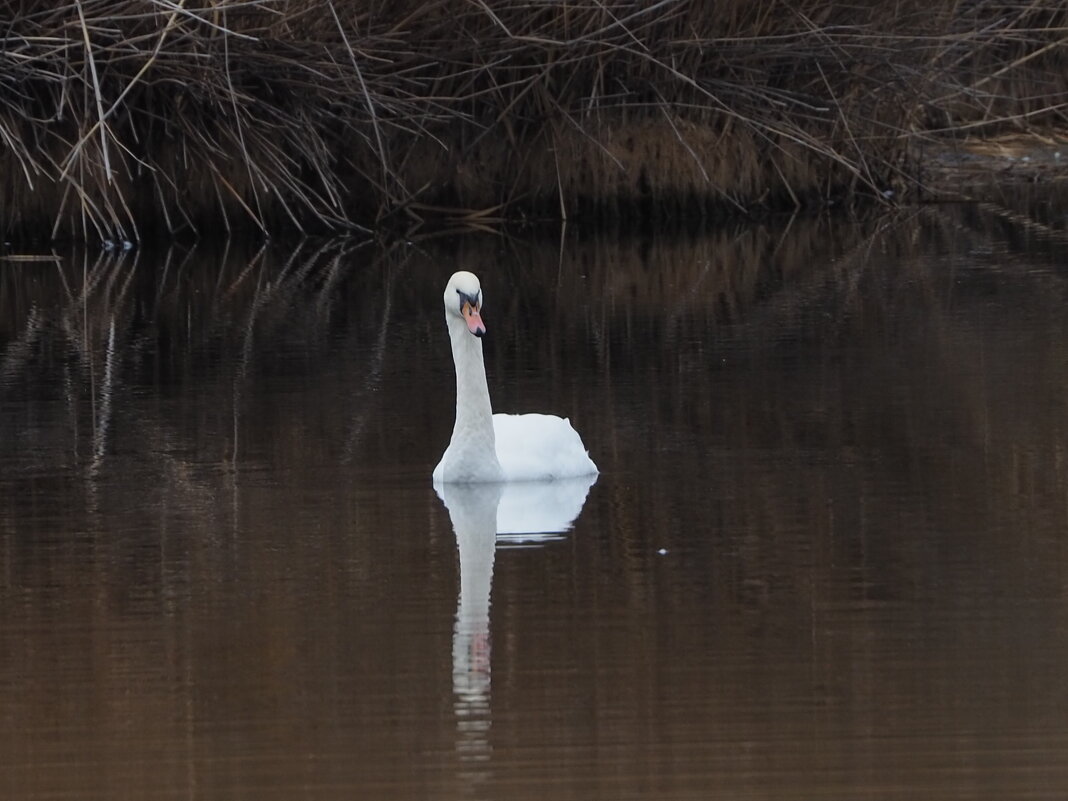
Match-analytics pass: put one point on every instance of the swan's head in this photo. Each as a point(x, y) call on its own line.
point(463, 301)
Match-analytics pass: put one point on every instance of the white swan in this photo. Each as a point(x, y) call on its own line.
point(497, 447)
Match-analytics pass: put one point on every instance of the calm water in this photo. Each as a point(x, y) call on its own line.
point(826, 558)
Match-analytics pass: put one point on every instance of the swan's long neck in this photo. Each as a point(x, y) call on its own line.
point(473, 410)
point(473, 449)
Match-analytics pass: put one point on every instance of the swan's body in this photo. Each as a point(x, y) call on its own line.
point(497, 447)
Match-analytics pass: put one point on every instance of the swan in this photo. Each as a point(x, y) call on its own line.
point(487, 447)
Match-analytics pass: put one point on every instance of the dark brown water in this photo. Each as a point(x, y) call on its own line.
point(826, 558)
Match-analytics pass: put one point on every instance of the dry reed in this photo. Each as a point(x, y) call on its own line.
point(128, 119)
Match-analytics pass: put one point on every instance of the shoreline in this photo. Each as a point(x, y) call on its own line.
point(335, 116)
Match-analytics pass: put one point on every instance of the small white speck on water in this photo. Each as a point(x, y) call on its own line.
point(662, 551)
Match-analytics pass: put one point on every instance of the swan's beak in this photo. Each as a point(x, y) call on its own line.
point(474, 319)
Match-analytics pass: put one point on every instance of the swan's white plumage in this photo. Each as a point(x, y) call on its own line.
point(497, 447)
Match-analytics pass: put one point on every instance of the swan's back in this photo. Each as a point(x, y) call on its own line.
point(539, 447)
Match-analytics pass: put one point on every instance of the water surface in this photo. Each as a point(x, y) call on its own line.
point(826, 557)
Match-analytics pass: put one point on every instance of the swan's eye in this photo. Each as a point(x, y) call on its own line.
point(469, 305)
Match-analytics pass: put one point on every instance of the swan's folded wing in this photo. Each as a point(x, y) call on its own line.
point(537, 447)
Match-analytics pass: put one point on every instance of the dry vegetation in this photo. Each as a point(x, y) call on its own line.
point(129, 119)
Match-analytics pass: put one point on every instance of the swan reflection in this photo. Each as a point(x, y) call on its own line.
point(485, 517)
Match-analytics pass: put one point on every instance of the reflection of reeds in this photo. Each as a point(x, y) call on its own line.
point(131, 120)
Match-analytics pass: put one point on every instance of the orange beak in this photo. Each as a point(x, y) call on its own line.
point(474, 320)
